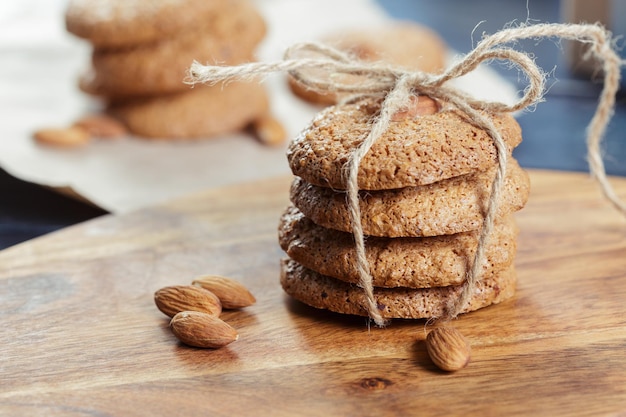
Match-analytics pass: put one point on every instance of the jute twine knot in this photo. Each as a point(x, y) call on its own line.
point(323, 69)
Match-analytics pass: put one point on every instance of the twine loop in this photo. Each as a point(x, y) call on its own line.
point(324, 69)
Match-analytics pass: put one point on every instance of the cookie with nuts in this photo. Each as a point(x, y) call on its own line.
point(201, 112)
point(404, 44)
point(328, 293)
point(120, 23)
point(229, 36)
point(421, 146)
point(405, 262)
point(424, 187)
point(445, 207)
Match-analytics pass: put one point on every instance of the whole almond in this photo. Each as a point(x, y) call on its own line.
point(418, 106)
point(102, 126)
point(202, 330)
point(63, 136)
point(269, 130)
point(172, 300)
point(448, 348)
point(231, 293)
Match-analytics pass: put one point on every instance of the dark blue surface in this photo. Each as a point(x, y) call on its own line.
point(28, 210)
point(554, 133)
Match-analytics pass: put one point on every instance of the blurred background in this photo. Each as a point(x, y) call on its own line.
point(554, 131)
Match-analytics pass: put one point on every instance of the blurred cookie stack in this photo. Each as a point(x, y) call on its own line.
point(141, 53)
point(424, 188)
point(402, 44)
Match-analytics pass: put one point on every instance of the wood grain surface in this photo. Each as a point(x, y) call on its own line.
point(82, 336)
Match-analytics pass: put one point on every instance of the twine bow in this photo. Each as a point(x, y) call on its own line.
point(317, 66)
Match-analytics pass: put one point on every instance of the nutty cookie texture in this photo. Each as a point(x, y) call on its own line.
point(119, 23)
point(228, 38)
point(324, 292)
point(401, 262)
point(446, 207)
point(413, 151)
point(176, 116)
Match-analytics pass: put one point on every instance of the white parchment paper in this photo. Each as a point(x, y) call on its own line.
point(39, 65)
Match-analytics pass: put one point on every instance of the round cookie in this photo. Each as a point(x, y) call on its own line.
point(413, 151)
point(323, 292)
point(119, 23)
point(403, 44)
point(400, 262)
point(203, 111)
point(229, 37)
point(446, 207)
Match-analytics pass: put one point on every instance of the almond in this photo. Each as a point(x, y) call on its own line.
point(231, 293)
point(418, 106)
point(174, 299)
point(448, 348)
point(102, 126)
point(63, 136)
point(269, 130)
point(202, 330)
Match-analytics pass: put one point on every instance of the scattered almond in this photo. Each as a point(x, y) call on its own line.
point(172, 300)
point(448, 348)
point(101, 126)
point(202, 330)
point(231, 293)
point(269, 130)
point(64, 137)
point(418, 106)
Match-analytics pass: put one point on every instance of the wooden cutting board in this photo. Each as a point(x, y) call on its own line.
point(81, 334)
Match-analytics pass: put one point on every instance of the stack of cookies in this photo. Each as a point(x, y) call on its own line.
point(401, 44)
point(424, 189)
point(142, 50)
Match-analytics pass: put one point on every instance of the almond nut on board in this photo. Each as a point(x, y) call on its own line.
point(231, 293)
point(202, 330)
point(177, 298)
point(448, 348)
